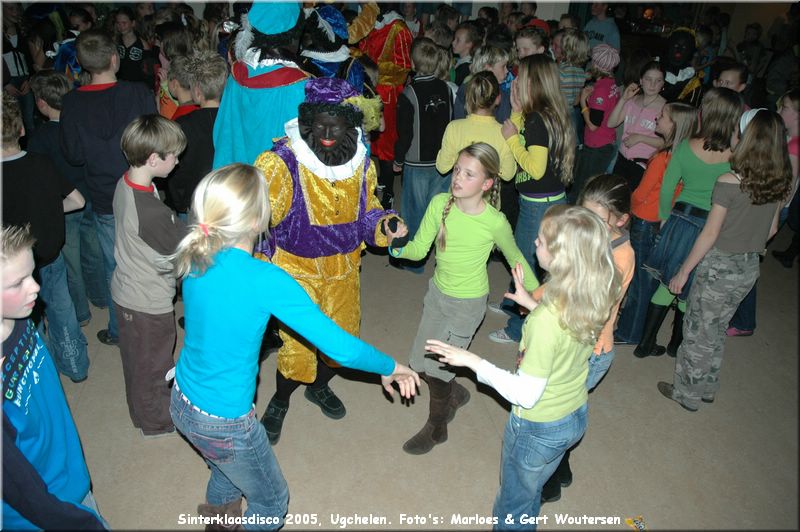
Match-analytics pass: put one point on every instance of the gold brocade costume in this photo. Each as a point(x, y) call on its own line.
point(333, 281)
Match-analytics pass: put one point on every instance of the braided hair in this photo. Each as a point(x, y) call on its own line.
point(490, 161)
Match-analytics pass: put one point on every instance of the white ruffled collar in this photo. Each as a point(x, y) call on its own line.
point(252, 58)
point(387, 19)
point(328, 57)
point(682, 75)
point(307, 158)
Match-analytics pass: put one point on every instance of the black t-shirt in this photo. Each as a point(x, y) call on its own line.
point(535, 134)
point(196, 160)
point(33, 192)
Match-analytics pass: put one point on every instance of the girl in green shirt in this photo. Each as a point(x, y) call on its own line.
point(466, 226)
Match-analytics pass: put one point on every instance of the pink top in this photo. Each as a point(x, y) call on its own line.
point(642, 122)
point(794, 146)
point(604, 98)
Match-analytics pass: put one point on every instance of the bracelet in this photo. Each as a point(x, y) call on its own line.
point(583, 110)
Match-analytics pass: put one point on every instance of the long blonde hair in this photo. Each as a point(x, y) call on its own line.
point(539, 91)
point(582, 283)
point(490, 161)
point(229, 206)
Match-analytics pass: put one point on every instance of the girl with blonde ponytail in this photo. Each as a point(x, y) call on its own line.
point(228, 298)
point(465, 225)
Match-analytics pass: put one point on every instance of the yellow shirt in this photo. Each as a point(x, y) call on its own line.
point(475, 128)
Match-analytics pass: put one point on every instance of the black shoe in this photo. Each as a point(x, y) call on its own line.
point(80, 380)
point(652, 323)
point(325, 398)
point(273, 419)
point(551, 491)
point(182, 322)
point(106, 338)
point(677, 334)
point(666, 390)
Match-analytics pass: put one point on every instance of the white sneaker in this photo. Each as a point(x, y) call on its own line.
point(496, 308)
point(500, 336)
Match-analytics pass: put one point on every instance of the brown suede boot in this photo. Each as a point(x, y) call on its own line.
point(435, 429)
point(231, 509)
point(459, 396)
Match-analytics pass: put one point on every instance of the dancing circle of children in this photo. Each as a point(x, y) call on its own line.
point(540, 136)
point(696, 162)
point(228, 297)
point(548, 388)
point(466, 226)
point(676, 123)
point(724, 259)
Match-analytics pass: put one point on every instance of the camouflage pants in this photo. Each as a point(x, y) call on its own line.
point(721, 281)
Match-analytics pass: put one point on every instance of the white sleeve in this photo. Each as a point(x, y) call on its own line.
point(519, 389)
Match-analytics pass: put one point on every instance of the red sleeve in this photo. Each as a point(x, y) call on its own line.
point(402, 49)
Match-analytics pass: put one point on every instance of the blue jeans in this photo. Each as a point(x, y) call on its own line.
point(420, 184)
point(642, 287)
point(65, 339)
point(745, 317)
point(672, 245)
point(106, 236)
point(94, 275)
point(240, 458)
point(72, 258)
point(531, 453)
point(598, 367)
point(85, 274)
point(530, 217)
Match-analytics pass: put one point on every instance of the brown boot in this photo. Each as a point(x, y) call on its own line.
point(459, 396)
point(231, 509)
point(435, 429)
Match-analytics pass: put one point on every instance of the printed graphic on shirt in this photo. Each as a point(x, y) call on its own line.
point(21, 367)
point(433, 104)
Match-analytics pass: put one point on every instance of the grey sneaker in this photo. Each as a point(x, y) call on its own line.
point(500, 336)
point(496, 308)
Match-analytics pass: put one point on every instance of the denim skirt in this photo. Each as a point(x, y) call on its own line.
point(672, 245)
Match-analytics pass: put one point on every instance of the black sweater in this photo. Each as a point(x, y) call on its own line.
point(423, 111)
point(92, 122)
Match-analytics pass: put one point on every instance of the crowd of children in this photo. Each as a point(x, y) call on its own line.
point(504, 131)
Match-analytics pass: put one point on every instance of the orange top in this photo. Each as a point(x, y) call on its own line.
point(644, 200)
point(624, 261)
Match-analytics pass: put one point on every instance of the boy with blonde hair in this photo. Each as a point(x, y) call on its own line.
point(143, 285)
point(46, 483)
point(208, 73)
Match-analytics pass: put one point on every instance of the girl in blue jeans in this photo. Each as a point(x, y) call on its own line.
point(540, 136)
point(228, 298)
point(548, 389)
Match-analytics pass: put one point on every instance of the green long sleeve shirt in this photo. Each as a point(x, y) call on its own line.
point(461, 266)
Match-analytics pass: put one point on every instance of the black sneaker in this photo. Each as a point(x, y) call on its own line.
point(273, 419)
point(106, 338)
point(325, 398)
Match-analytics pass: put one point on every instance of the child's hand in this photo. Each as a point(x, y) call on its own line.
point(454, 356)
point(632, 139)
point(397, 168)
point(677, 282)
point(520, 295)
point(402, 230)
point(508, 129)
point(585, 93)
point(631, 91)
point(407, 380)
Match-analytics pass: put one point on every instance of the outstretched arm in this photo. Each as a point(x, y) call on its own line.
point(518, 388)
